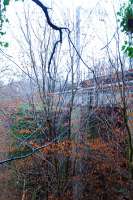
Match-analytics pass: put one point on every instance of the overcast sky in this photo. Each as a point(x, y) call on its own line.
point(99, 25)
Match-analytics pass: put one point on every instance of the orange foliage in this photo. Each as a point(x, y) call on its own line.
point(24, 131)
point(65, 148)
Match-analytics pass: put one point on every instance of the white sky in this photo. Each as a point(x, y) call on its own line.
point(96, 29)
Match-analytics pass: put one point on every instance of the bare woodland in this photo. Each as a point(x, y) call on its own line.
point(63, 136)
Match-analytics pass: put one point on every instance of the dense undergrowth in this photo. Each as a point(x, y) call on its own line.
point(96, 166)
